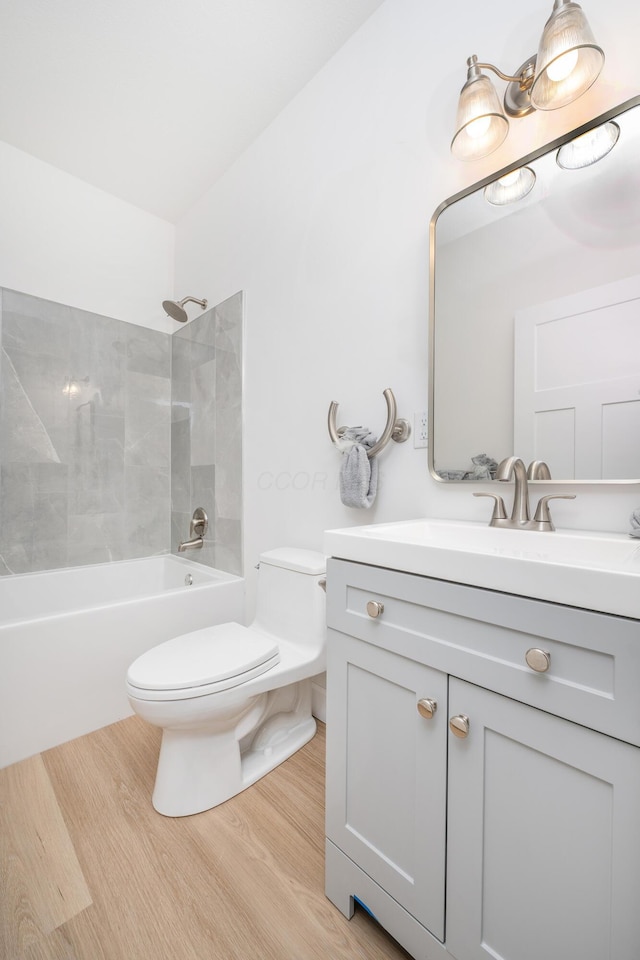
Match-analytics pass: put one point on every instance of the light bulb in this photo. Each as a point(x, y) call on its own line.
point(509, 178)
point(478, 128)
point(511, 187)
point(560, 68)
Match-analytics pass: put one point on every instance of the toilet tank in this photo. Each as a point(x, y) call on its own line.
point(290, 602)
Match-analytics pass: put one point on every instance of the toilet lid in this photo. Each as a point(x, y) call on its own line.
point(207, 656)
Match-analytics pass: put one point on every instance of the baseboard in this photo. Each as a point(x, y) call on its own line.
point(319, 702)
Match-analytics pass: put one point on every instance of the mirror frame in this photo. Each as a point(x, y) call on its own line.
point(479, 185)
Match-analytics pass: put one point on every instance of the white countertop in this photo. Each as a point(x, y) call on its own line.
point(596, 571)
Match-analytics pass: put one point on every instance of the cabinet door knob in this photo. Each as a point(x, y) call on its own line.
point(375, 608)
point(459, 726)
point(427, 708)
point(538, 660)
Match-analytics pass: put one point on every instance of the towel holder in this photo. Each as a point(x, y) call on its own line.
point(395, 429)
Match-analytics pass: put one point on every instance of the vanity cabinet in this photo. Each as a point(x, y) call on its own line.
point(515, 832)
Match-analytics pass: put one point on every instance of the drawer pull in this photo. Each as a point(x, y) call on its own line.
point(375, 608)
point(427, 708)
point(459, 726)
point(538, 660)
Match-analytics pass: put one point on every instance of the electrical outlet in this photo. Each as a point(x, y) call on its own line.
point(421, 429)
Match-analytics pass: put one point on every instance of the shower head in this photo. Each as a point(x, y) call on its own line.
point(175, 308)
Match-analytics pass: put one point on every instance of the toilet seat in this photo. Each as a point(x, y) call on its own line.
point(203, 662)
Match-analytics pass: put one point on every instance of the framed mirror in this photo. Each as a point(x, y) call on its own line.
point(534, 328)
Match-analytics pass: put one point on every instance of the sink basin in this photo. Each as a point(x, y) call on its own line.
point(597, 571)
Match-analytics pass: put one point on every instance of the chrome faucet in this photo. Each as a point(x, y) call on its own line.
point(513, 466)
point(196, 543)
point(197, 530)
point(520, 513)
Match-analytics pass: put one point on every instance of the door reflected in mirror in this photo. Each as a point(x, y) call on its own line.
point(535, 317)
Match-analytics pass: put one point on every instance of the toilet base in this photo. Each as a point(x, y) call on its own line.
point(200, 768)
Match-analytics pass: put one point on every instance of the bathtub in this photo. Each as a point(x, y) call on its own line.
point(68, 636)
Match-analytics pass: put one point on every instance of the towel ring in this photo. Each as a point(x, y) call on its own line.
point(395, 429)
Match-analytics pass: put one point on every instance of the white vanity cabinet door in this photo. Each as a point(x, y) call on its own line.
point(386, 772)
point(544, 836)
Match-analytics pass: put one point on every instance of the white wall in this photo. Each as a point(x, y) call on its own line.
point(323, 222)
point(66, 241)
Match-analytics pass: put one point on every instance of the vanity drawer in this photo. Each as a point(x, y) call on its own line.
point(577, 664)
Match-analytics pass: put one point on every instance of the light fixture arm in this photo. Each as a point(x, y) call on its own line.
point(524, 78)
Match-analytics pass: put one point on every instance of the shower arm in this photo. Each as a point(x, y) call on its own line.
point(202, 303)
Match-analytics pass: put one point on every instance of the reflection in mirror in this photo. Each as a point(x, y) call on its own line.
point(535, 318)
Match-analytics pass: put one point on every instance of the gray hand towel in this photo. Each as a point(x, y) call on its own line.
point(635, 524)
point(358, 473)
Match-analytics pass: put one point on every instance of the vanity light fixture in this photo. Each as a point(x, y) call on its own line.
point(568, 62)
point(513, 186)
point(589, 147)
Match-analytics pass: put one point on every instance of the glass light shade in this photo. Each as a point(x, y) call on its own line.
point(568, 61)
point(589, 147)
point(513, 186)
point(481, 126)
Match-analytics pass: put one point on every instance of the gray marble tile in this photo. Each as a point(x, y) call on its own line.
point(180, 466)
point(36, 382)
point(24, 436)
point(200, 330)
point(98, 538)
point(146, 482)
point(148, 351)
point(96, 465)
point(228, 553)
point(228, 384)
point(203, 414)
point(180, 379)
point(229, 486)
point(148, 421)
point(16, 559)
point(228, 419)
point(197, 339)
point(229, 436)
point(35, 327)
point(229, 316)
point(179, 528)
point(33, 535)
point(109, 433)
point(205, 555)
point(28, 306)
point(203, 490)
point(147, 514)
point(203, 329)
point(97, 359)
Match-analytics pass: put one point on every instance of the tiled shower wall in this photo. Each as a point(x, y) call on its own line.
point(206, 432)
point(85, 438)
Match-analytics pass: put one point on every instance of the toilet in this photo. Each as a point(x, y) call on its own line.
point(233, 702)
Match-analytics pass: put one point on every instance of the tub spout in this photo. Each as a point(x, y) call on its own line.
point(195, 544)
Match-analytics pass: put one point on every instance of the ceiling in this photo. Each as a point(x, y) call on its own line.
point(152, 100)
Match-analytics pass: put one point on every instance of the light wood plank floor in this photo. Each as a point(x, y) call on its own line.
point(89, 871)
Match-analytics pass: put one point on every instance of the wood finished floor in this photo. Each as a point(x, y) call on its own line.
point(89, 871)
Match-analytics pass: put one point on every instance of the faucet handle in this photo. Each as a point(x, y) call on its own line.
point(542, 517)
point(199, 523)
point(499, 511)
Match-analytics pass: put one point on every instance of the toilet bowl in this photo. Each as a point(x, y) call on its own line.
point(233, 702)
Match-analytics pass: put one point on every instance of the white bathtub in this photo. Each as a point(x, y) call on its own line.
point(68, 636)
